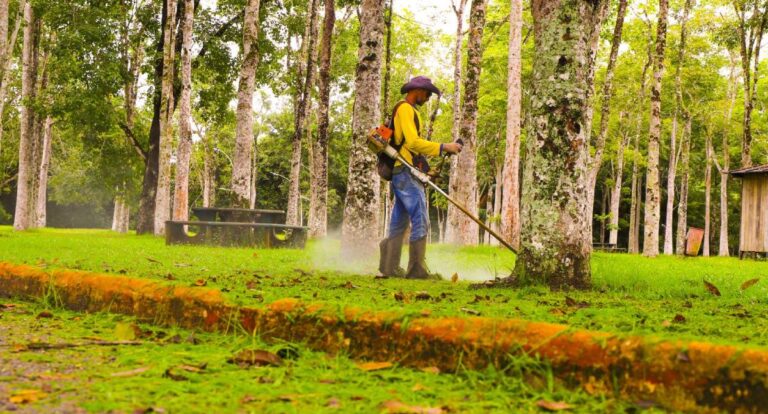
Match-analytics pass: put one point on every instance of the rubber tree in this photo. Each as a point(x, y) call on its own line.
point(242, 168)
point(184, 152)
point(652, 190)
point(555, 243)
point(361, 205)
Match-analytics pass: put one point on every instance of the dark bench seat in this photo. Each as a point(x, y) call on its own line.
point(239, 215)
point(608, 247)
point(220, 233)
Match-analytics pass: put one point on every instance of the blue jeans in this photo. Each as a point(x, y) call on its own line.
point(410, 203)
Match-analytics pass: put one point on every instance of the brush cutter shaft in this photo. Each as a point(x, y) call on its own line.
point(424, 178)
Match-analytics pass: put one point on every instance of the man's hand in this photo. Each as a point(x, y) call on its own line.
point(452, 148)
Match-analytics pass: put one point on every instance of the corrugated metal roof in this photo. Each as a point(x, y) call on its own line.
point(757, 169)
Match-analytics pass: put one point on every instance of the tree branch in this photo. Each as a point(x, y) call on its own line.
point(133, 141)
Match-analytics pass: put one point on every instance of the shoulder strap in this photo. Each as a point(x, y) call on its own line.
point(392, 124)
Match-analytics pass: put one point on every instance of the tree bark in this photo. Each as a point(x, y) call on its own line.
point(361, 207)
point(652, 190)
point(509, 191)
point(242, 169)
point(23, 217)
point(463, 182)
point(707, 193)
point(184, 153)
point(451, 212)
point(41, 212)
point(555, 234)
point(209, 172)
point(722, 249)
point(163, 194)
point(618, 176)
point(672, 170)
point(498, 202)
point(682, 208)
point(318, 202)
point(5, 77)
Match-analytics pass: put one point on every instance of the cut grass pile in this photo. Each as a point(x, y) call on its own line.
point(665, 296)
point(179, 371)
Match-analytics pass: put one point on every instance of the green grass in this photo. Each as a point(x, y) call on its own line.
point(631, 294)
point(308, 382)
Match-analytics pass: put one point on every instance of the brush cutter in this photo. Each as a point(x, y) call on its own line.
point(378, 142)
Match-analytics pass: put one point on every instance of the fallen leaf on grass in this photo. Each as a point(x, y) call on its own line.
point(169, 276)
point(169, 373)
point(418, 387)
point(666, 324)
point(394, 406)
point(712, 288)
point(333, 403)
point(349, 285)
point(374, 366)
point(470, 311)
point(455, 278)
point(553, 405)
point(153, 260)
point(749, 283)
point(431, 370)
point(557, 312)
point(182, 265)
point(679, 318)
point(193, 368)
point(422, 295)
point(130, 373)
point(252, 284)
point(7, 305)
point(257, 357)
point(573, 303)
point(26, 396)
point(399, 296)
point(201, 282)
point(44, 314)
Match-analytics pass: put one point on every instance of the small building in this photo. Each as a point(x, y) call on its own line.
point(753, 237)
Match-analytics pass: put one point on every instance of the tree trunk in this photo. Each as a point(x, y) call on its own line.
point(509, 191)
point(146, 215)
point(387, 66)
point(163, 194)
point(605, 110)
point(242, 169)
point(5, 58)
point(613, 235)
point(722, 249)
point(463, 183)
point(41, 213)
point(498, 200)
point(181, 192)
point(23, 215)
point(555, 234)
point(707, 193)
point(451, 212)
point(318, 203)
point(682, 208)
point(652, 190)
point(209, 173)
point(361, 207)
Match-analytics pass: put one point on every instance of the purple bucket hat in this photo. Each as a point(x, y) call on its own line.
point(420, 82)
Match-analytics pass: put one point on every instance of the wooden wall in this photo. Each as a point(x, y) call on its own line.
point(754, 213)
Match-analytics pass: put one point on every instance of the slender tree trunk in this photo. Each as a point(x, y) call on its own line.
point(722, 249)
point(605, 109)
point(361, 208)
point(652, 190)
point(509, 192)
point(146, 215)
point(555, 235)
point(318, 203)
point(498, 202)
point(209, 172)
point(304, 96)
point(22, 219)
point(682, 208)
point(163, 194)
point(6, 55)
point(750, 30)
point(42, 184)
point(242, 170)
point(116, 214)
point(463, 182)
point(184, 153)
point(451, 212)
point(618, 175)
point(385, 111)
point(707, 193)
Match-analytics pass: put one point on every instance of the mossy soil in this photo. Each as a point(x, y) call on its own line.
point(666, 296)
point(180, 371)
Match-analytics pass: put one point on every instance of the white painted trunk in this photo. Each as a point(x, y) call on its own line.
point(361, 208)
point(163, 194)
point(41, 212)
point(22, 219)
point(613, 235)
point(682, 208)
point(184, 152)
point(242, 169)
point(707, 195)
point(671, 178)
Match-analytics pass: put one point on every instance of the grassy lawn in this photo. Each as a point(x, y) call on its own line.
point(178, 371)
point(665, 296)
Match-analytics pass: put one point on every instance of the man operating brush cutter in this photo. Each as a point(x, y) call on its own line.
point(405, 130)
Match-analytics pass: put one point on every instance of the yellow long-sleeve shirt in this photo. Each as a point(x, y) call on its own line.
point(405, 127)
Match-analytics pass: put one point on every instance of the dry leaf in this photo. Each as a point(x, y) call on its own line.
point(174, 376)
point(679, 318)
point(257, 357)
point(455, 278)
point(418, 387)
point(749, 283)
point(193, 368)
point(712, 288)
point(349, 285)
point(666, 324)
point(44, 314)
point(26, 396)
point(569, 301)
point(397, 407)
point(431, 370)
point(153, 260)
point(399, 296)
point(422, 295)
point(470, 311)
point(130, 373)
point(374, 366)
point(553, 405)
point(333, 403)
point(201, 282)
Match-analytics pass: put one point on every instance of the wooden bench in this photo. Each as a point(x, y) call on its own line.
point(219, 233)
point(608, 247)
point(239, 215)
